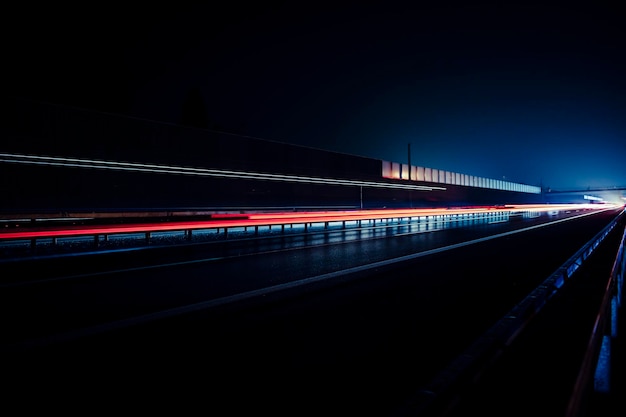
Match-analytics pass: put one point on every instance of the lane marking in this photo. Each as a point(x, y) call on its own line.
point(204, 305)
point(213, 259)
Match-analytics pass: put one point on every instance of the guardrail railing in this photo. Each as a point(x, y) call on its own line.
point(594, 376)
point(227, 221)
point(449, 385)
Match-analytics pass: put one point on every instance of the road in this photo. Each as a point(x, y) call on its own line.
point(356, 340)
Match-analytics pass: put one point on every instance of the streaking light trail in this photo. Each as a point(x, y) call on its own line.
point(271, 219)
point(165, 169)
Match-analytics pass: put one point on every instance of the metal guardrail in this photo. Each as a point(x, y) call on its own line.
point(594, 373)
point(225, 221)
point(448, 386)
point(158, 213)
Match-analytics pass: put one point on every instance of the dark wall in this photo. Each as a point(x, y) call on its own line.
point(54, 130)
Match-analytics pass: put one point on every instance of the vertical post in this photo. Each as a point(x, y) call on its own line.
point(614, 315)
point(361, 190)
point(409, 153)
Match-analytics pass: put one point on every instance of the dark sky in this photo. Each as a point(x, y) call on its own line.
point(532, 93)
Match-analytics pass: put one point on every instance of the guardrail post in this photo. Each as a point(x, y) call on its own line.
point(614, 312)
point(148, 238)
point(620, 284)
point(602, 375)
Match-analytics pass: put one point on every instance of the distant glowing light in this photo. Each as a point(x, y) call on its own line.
point(592, 198)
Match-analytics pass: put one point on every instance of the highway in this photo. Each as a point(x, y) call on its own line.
point(221, 271)
point(326, 323)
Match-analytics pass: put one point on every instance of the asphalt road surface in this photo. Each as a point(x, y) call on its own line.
point(287, 331)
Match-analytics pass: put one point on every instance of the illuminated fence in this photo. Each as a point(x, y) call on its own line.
point(395, 170)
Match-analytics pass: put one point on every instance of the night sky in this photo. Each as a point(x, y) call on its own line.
point(532, 94)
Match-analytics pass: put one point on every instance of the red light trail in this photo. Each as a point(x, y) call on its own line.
point(279, 218)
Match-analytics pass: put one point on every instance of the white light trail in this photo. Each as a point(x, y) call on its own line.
point(165, 169)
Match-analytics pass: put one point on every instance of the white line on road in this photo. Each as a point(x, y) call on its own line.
point(204, 305)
